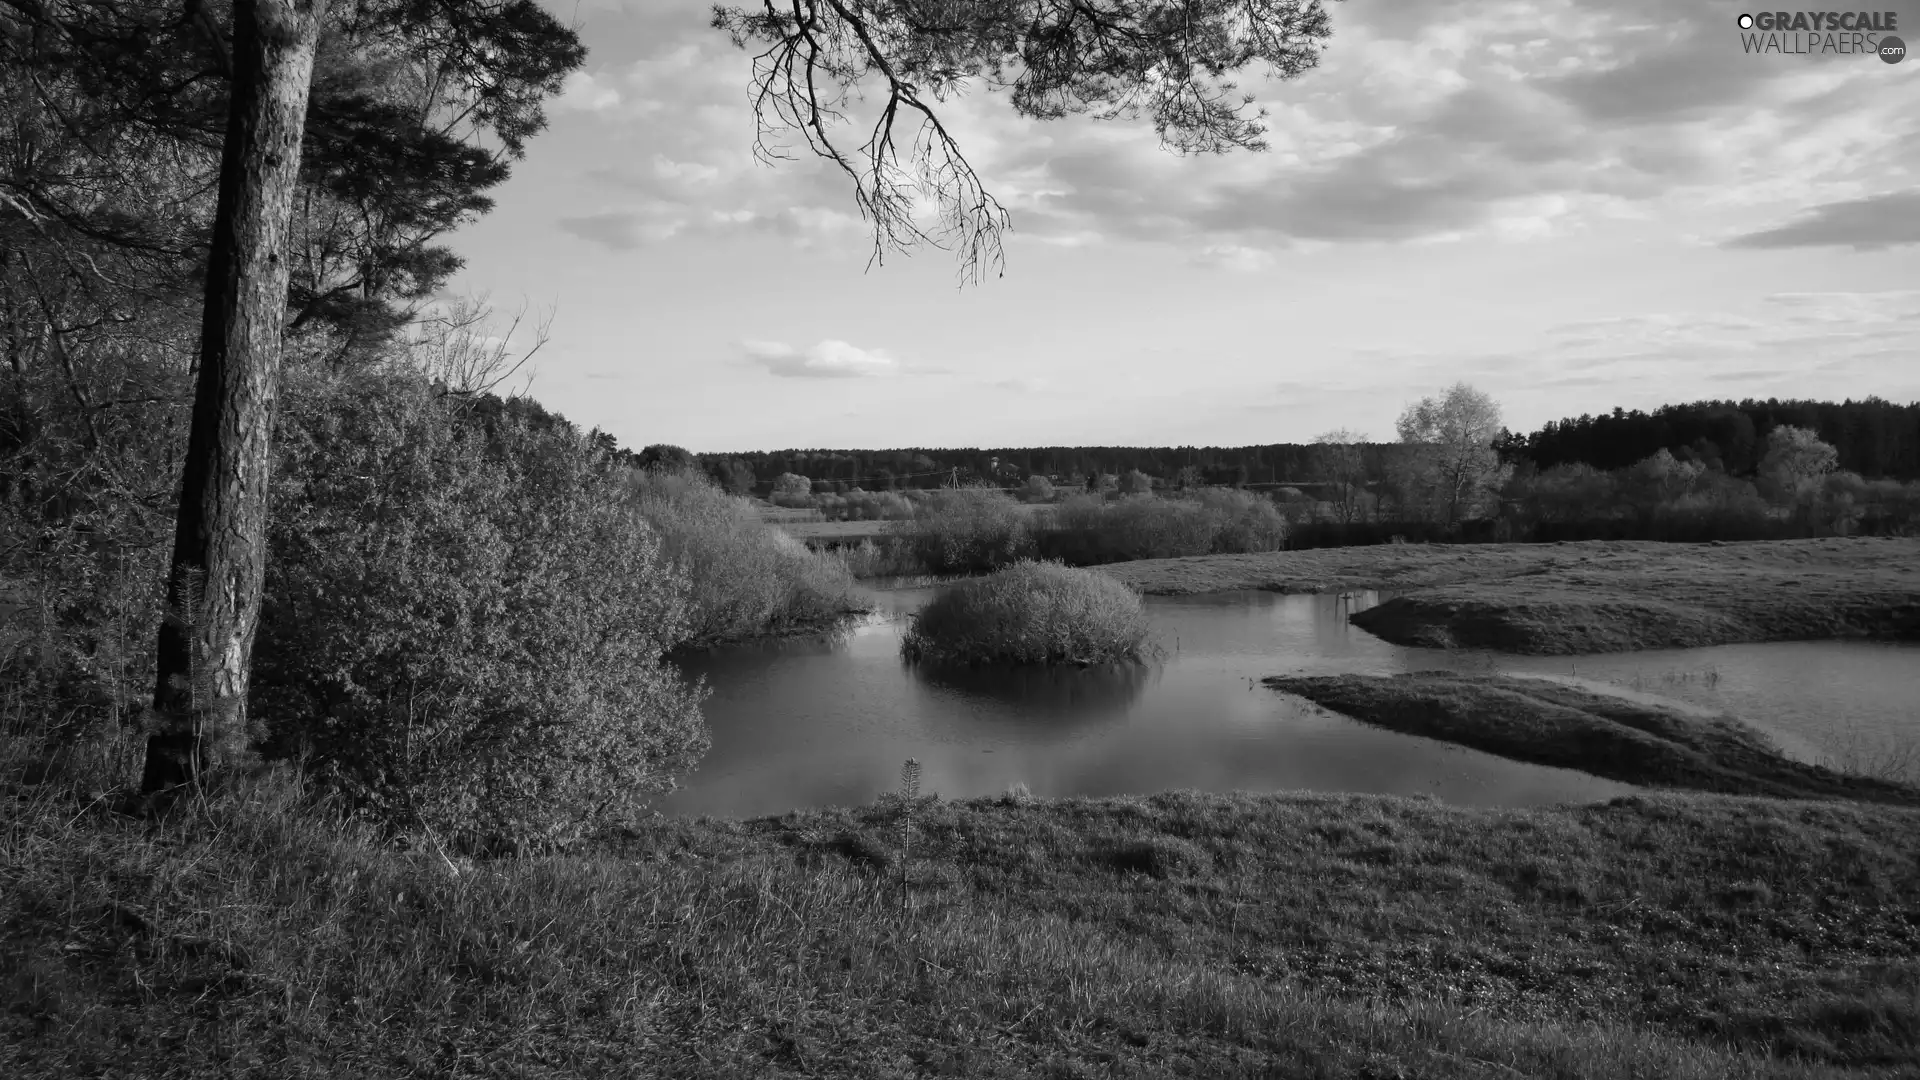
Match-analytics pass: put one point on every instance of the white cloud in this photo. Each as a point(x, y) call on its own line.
point(585, 92)
point(1236, 257)
point(1518, 120)
point(830, 359)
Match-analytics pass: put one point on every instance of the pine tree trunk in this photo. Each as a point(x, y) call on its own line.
point(220, 536)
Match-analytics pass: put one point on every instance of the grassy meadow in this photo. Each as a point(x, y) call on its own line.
point(1670, 935)
point(1593, 596)
point(1544, 722)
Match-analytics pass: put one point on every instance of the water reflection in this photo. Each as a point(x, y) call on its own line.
point(818, 721)
point(808, 723)
point(1058, 698)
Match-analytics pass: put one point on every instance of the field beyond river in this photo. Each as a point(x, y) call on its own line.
point(1587, 597)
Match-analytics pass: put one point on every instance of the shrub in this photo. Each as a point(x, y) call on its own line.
point(792, 484)
point(1136, 482)
point(963, 529)
point(464, 628)
point(746, 578)
point(1216, 520)
point(1039, 489)
point(1031, 613)
point(86, 491)
point(1243, 521)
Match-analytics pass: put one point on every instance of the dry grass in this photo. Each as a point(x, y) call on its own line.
point(1548, 723)
point(1178, 935)
point(1589, 597)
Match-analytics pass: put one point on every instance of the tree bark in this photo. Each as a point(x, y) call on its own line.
point(219, 545)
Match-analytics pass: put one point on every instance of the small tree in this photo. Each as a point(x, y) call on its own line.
point(1338, 463)
point(667, 457)
point(1039, 488)
point(1452, 465)
point(793, 486)
point(1795, 461)
point(1657, 481)
point(1136, 483)
point(734, 476)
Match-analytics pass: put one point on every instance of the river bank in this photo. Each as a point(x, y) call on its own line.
point(1547, 723)
point(1588, 597)
point(1178, 934)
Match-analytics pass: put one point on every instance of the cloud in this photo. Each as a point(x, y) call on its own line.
point(1878, 221)
point(619, 230)
point(584, 92)
point(830, 359)
point(1517, 119)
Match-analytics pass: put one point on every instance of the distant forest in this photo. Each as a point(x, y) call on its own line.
point(1875, 438)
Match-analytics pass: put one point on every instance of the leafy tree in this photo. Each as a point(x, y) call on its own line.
point(792, 486)
point(1136, 483)
point(734, 476)
point(1039, 488)
point(1338, 463)
point(667, 457)
point(1660, 480)
point(1795, 461)
point(1453, 463)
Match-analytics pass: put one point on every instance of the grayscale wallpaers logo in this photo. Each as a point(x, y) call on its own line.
point(1824, 33)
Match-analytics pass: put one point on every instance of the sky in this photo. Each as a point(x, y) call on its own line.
point(1571, 206)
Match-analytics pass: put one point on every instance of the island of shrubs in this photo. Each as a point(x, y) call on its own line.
point(1031, 613)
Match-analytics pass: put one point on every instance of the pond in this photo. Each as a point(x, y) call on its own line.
point(828, 720)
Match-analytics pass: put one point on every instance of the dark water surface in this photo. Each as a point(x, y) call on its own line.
point(815, 721)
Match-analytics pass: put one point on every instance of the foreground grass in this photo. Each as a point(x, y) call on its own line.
point(1547, 723)
point(1177, 935)
point(1599, 596)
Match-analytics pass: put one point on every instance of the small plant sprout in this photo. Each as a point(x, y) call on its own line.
point(909, 801)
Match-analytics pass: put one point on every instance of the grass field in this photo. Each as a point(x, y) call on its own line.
point(1176, 935)
point(1547, 723)
point(1588, 597)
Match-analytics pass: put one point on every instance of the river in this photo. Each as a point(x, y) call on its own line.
point(829, 720)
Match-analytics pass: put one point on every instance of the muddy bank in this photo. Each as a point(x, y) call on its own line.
point(1595, 596)
point(1546, 723)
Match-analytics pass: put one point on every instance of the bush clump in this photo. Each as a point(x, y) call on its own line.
point(464, 621)
point(746, 578)
point(1212, 521)
point(960, 530)
point(1031, 613)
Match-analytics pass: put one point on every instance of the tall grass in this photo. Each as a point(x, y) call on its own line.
point(747, 579)
point(258, 934)
point(890, 556)
point(1031, 613)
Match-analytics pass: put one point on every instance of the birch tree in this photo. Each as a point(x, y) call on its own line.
point(1451, 462)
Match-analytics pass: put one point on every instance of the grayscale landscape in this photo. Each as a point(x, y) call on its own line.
point(982, 538)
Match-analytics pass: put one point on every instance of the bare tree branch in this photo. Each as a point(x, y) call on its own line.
point(1115, 59)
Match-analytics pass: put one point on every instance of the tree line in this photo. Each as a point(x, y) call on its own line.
point(1874, 438)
